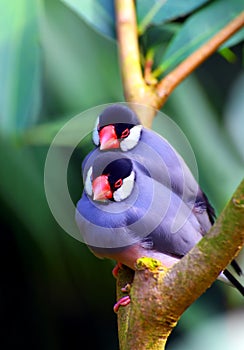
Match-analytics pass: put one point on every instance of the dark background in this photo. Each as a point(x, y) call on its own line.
point(54, 294)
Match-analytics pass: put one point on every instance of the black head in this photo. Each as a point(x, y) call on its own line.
point(118, 115)
point(111, 178)
point(117, 171)
point(117, 127)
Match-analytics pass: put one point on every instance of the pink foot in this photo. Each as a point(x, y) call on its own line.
point(122, 302)
point(116, 268)
point(126, 288)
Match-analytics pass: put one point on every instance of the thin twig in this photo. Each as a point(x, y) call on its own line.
point(149, 79)
point(173, 79)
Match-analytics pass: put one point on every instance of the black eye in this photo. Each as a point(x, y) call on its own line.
point(118, 183)
point(125, 133)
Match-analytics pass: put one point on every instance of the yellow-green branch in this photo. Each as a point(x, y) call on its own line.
point(135, 88)
point(129, 50)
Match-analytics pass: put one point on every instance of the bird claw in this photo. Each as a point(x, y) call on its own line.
point(126, 288)
point(116, 268)
point(122, 302)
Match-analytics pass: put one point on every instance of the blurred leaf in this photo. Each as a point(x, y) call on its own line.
point(155, 35)
point(97, 13)
point(24, 193)
point(234, 114)
point(222, 332)
point(19, 65)
point(81, 66)
point(158, 11)
point(76, 127)
point(156, 38)
point(44, 134)
point(200, 27)
point(220, 169)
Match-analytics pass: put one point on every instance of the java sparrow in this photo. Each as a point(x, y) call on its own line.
point(124, 213)
point(118, 127)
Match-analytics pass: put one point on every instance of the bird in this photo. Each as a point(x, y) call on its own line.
point(124, 213)
point(119, 128)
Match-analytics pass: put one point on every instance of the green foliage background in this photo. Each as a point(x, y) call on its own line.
point(57, 59)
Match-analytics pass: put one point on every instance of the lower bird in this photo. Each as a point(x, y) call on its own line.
point(124, 213)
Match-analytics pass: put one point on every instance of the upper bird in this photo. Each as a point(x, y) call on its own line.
point(118, 127)
point(125, 214)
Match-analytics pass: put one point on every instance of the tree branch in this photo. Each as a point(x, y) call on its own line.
point(159, 296)
point(136, 88)
point(133, 81)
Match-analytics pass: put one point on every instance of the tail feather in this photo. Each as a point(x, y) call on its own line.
point(203, 200)
point(236, 267)
point(234, 281)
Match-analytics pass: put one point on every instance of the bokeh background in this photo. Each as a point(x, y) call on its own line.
point(58, 59)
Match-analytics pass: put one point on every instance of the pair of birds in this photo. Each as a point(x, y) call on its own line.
point(140, 198)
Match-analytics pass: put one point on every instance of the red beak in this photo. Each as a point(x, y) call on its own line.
point(108, 138)
point(101, 188)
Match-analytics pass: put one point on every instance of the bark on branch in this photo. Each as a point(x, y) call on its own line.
point(159, 296)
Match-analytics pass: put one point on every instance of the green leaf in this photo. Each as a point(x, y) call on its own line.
point(19, 65)
point(157, 34)
point(156, 39)
point(199, 28)
point(234, 114)
point(159, 11)
point(99, 14)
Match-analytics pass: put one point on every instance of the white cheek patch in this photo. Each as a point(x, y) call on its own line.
point(132, 140)
point(125, 190)
point(95, 136)
point(88, 182)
